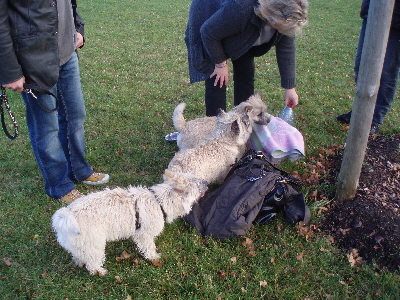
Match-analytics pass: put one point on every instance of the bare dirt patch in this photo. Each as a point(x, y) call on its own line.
point(367, 228)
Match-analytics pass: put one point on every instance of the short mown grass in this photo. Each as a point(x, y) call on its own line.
point(134, 72)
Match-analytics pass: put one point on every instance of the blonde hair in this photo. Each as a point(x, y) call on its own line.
point(286, 16)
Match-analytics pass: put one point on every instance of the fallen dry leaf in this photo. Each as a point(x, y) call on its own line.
point(7, 261)
point(247, 242)
point(156, 263)
point(304, 230)
point(221, 274)
point(263, 283)
point(279, 226)
point(135, 263)
point(251, 252)
point(354, 258)
point(300, 256)
point(118, 279)
point(344, 231)
point(313, 194)
point(124, 255)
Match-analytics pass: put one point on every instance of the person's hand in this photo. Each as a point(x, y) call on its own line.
point(16, 86)
point(291, 97)
point(79, 40)
point(221, 74)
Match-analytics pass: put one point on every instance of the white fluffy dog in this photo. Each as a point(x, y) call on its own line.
point(192, 132)
point(213, 157)
point(85, 225)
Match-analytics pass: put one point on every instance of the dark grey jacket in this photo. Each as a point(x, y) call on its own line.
point(28, 42)
point(221, 29)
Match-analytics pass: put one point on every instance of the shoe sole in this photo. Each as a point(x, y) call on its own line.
point(104, 180)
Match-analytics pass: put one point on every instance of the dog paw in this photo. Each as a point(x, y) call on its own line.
point(101, 272)
point(153, 255)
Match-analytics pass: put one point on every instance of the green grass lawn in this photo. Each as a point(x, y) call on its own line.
point(134, 73)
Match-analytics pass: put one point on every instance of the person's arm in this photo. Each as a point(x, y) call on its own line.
point(10, 69)
point(227, 21)
point(286, 58)
point(79, 26)
point(79, 40)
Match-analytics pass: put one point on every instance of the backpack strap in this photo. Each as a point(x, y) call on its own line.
point(254, 165)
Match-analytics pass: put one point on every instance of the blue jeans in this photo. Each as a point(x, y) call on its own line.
point(57, 138)
point(390, 73)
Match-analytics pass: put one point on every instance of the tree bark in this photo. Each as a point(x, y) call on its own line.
point(368, 81)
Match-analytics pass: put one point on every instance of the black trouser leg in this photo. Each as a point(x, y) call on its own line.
point(243, 77)
point(215, 97)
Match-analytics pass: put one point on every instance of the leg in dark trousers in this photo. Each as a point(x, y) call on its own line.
point(243, 77)
point(215, 97)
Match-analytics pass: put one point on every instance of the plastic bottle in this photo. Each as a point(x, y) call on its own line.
point(287, 114)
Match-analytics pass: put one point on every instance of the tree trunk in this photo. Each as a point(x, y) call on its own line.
point(368, 81)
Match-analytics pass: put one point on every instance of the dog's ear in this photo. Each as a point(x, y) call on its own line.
point(248, 108)
point(235, 127)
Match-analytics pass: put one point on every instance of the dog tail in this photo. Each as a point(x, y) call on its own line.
point(64, 221)
point(178, 119)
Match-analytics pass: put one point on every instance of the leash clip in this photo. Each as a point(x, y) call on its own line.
point(29, 91)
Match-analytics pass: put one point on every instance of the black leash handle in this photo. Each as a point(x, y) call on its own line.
point(4, 99)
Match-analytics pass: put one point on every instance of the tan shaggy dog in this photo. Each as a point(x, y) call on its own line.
point(85, 225)
point(212, 158)
point(192, 132)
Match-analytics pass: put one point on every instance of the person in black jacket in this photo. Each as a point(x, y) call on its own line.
point(38, 58)
point(241, 30)
point(390, 70)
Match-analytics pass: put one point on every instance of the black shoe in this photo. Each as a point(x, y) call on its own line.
point(374, 130)
point(345, 118)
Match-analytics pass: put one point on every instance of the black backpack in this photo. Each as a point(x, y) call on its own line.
point(253, 192)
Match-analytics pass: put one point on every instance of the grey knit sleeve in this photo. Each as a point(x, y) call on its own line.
point(286, 58)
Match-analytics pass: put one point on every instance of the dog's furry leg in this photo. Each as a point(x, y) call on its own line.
point(146, 245)
point(94, 256)
point(151, 222)
point(69, 235)
point(177, 117)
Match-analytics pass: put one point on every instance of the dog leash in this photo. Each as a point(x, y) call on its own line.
point(4, 99)
point(29, 90)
